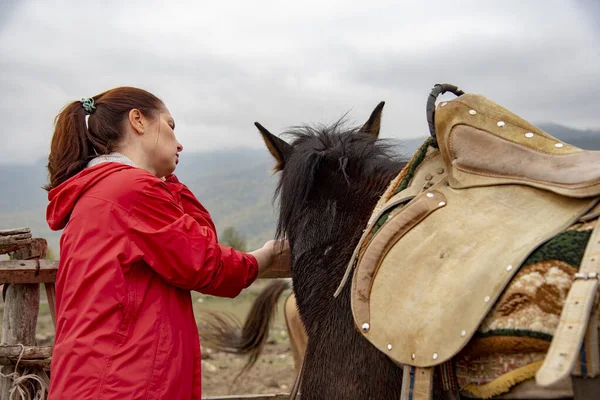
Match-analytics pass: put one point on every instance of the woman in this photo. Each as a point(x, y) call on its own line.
point(135, 243)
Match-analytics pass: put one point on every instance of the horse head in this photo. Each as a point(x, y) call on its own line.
point(330, 179)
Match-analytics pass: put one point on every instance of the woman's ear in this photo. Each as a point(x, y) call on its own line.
point(137, 121)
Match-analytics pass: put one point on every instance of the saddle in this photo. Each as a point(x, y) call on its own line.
point(480, 197)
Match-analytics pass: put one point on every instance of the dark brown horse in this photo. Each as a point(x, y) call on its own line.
point(331, 178)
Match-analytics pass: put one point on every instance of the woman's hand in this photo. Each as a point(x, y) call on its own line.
point(274, 260)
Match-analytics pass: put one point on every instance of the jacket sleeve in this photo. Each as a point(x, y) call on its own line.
point(190, 204)
point(183, 250)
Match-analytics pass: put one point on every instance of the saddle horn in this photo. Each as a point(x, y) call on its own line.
point(438, 89)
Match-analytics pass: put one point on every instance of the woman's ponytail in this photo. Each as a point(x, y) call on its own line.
point(70, 149)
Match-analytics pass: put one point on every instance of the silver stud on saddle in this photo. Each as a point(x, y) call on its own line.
point(585, 275)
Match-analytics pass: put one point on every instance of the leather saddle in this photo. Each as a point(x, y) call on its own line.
point(452, 230)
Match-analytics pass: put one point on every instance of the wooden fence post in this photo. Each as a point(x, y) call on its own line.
point(21, 310)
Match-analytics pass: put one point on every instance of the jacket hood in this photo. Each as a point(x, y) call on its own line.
point(64, 197)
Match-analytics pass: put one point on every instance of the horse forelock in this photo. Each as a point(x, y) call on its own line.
point(330, 164)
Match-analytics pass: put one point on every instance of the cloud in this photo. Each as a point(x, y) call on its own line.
point(6, 8)
point(591, 13)
point(220, 66)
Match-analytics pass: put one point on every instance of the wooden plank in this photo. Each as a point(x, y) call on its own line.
point(35, 250)
point(25, 352)
point(51, 296)
point(14, 239)
point(26, 363)
point(18, 231)
point(10, 243)
point(28, 271)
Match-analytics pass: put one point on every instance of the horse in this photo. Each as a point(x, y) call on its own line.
point(331, 178)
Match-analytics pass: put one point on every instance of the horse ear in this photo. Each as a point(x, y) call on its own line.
point(372, 126)
point(279, 149)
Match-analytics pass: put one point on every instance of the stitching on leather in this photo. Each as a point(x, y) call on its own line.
point(489, 174)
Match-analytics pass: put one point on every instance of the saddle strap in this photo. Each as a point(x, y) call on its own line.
point(417, 383)
point(566, 344)
point(296, 388)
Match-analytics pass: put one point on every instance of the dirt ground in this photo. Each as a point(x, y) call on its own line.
point(273, 372)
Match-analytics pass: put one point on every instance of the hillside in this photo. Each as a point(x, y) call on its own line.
point(236, 186)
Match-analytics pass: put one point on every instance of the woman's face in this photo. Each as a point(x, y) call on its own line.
point(161, 146)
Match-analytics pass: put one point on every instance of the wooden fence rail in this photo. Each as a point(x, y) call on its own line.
point(14, 239)
point(28, 271)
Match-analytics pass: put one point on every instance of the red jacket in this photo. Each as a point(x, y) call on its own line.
point(132, 249)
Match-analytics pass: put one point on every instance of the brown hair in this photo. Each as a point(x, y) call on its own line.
point(74, 143)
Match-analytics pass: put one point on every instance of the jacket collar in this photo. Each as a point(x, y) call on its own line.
point(111, 157)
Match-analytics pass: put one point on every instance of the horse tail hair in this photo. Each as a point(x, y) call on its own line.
point(223, 332)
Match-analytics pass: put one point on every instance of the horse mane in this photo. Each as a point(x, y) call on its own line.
point(331, 178)
point(346, 153)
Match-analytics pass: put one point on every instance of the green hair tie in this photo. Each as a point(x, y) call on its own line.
point(88, 105)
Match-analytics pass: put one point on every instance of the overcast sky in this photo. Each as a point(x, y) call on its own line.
point(221, 65)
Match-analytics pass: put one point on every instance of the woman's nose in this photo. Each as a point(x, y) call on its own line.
point(179, 147)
